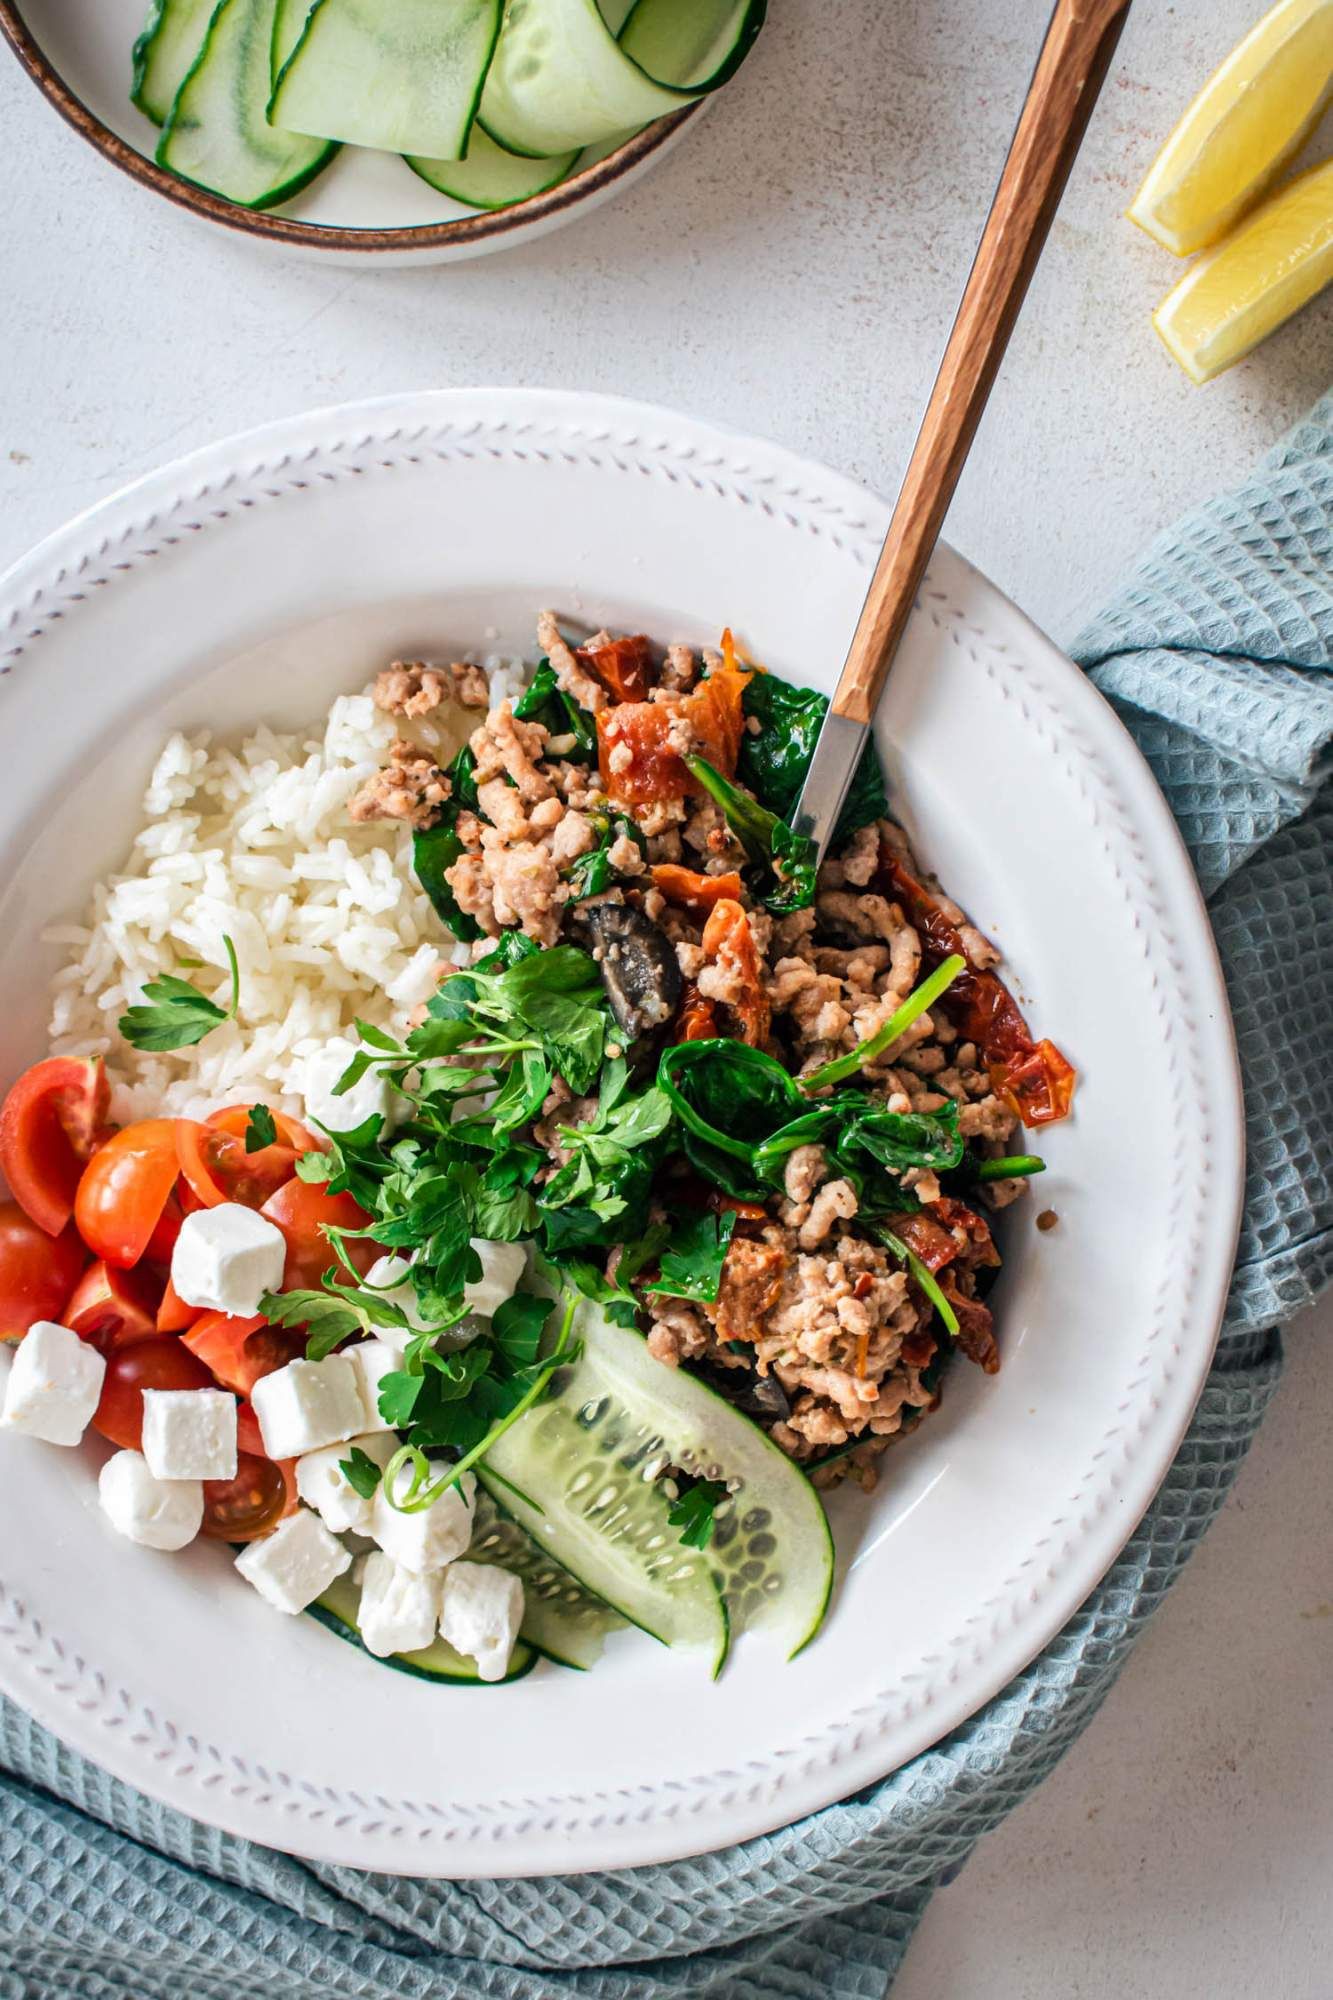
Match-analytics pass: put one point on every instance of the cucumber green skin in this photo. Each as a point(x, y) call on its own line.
point(747, 34)
point(271, 197)
point(142, 83)
point(285, 37)
point(445, 176)
point(483, 73)
point(333, 1613)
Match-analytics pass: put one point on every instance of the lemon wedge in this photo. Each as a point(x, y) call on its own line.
point(1245, 124)
point(1268, 268)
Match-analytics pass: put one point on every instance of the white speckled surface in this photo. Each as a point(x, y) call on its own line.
point(792, 269)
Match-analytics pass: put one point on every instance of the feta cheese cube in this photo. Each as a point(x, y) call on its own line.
point(226, 1258)
point(399, 1609)
point(373, 1360)
point(502, 1267)
point(370, 1093)
point(54, 1385)
point(308, 1404)
point(429, 1539)
point(481, 1609)
point(389, 1276)
point(295, 1563)
point(158, 1513)
point(189, 1433)
point(322, 1484)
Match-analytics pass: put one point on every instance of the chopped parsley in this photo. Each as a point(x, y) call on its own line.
point(177, 1014)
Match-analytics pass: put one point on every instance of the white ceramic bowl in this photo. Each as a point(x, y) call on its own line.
point(364, 207)
point(259, 577)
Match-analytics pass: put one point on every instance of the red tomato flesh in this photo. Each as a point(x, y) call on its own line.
point(111, 1308)
point(49, 1123)
point(240, 1351)
point(125, 1188)
point(217, 1167)
point(37, 1272)
point(146, 1364)
point(252, 1504)
point(173, 1315)
point(303, 1212)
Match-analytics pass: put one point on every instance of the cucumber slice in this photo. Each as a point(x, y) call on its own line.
point(337, 1610)
point(216, 132)
point(491, 176)
point(561, 1618)
point(559, 80)
point(559, 77)
point(693, 44)
point(404, 79)
point(289, 19)
point(581, 1456)
point(164, 52)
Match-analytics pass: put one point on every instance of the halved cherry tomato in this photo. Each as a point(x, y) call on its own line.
point(239, 1351)
point(250, 1505)
point(303, 1212)
point(37, 1272)
point(236, 1117)
point(217, 1167)
point(165, 1231)
point(173, 1315)
point(124, 1190)
point(112, 1308)
point(49, 1124)
point(145, 1364)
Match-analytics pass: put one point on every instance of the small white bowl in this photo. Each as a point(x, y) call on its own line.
point(364, 205)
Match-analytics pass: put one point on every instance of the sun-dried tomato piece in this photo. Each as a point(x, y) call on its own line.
point(691, 891)
point(1032, 1078)
point(696, 1018)
point(729, 942)
point(976, 1326)
point(653, 770)
point(623, 666)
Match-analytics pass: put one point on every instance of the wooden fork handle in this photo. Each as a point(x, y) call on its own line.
point(1070, 71)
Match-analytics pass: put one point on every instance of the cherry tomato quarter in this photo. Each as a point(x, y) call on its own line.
point(49, 1124)
point(304, 1212)
point(240, 1351)
point(37, 1272)
point(125, 1188)
point(250, 1505)
point(112, 1308)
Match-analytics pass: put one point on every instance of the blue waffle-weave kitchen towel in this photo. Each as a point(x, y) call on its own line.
point(1217, 655)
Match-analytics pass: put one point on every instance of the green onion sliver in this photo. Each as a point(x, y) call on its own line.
point(926, 1279)
point(926, 994)
point(1015, 1166)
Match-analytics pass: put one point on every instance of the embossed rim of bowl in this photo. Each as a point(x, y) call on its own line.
point(489, 227)
point(1109, 1351)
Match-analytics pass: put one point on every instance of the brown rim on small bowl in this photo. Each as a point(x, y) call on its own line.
point(275, 228)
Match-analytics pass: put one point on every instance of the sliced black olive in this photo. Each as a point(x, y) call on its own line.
point(638, 965)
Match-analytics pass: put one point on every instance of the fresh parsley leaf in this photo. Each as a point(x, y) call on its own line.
point(260, 1129)
point(327, 1317)
point(360, 1471)
point(178, 1014)
point(692, 1264)
point(398, 1396)
point(517, 1327)
point(695, 1512)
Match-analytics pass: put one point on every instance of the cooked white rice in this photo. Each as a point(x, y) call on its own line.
point(254, 843)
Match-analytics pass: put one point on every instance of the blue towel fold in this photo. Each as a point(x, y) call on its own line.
point(1216, 653)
